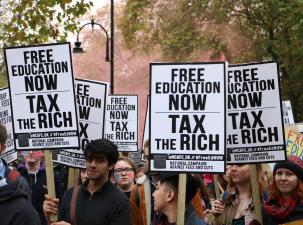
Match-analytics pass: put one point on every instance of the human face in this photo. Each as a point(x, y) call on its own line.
point(240, 173)
point(97, 167)
point(83, 175)
point(32, 157)
point(286, 181)
point(162, 196)
point(226, 176)
point(124, 175)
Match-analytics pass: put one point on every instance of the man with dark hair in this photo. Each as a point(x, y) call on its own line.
point(166, 200)
point(98, 201)
point(142, 206)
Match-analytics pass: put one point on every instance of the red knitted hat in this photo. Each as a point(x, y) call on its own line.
point(293, 163)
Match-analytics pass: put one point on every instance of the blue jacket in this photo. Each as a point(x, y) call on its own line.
point(191, 217)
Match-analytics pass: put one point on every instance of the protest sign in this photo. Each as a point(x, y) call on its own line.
point(9, 153)
point(42, 97)
point(91, 100)
point(254, 114)
point(122, 122)
point(294, 143)
point(136, 157)
point(299, 127)
point(288, 117)
point(187, 117)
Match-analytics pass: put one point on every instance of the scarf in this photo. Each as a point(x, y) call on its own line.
point(282, 210)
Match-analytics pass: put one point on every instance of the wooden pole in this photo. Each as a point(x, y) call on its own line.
point(76, 175)
point(217, 190)
point(181, 199)
point(255, 192)
point(71, 177)
point(50, 178)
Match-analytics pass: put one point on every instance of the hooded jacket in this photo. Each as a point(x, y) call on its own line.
point(15, 209)
point(22, 182)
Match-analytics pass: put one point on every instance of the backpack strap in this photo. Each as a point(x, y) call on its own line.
point(73, 205)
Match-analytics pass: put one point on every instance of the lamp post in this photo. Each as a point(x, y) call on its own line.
point(112, 34)
point(109, 54)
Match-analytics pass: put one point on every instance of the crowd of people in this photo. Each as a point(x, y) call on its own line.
point(112, 190)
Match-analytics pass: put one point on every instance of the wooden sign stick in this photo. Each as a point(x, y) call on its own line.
point(255, 192)
point(50, 178)
point(71, 177)
point(181, 199)
point(217, 188)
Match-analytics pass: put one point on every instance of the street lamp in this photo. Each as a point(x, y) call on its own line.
point(109, 54)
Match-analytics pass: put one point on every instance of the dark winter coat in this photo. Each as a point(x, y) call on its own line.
point(37, 183)
point(22, 182)
point(191, 218)
point(15, 209)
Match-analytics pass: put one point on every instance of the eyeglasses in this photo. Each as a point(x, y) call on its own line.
point(125, 170)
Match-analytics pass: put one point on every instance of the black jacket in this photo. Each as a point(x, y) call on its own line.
point(15, 209)
point(107, 206)
point(37, 183)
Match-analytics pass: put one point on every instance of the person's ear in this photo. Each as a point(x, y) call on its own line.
point(171, 195)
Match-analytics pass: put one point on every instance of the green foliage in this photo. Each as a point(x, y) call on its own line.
point(244, 30)
point(27, 22)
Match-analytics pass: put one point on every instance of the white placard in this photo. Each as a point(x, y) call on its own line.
point(122, 122)
point(187, 117)
point(255, 132)
point(9, 154)
point(91, 100)
point(288, 117)
point(42, 97)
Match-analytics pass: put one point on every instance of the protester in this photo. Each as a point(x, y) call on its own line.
point(141, 171)
point(166, 200)
point(223, 179)
point(237, 205)
point(82, 176)
point(208, 180)
point(33, 170)
point(124, 175)
point(141, 195)
point(15, 209)
point(204, 193)
point(142, 206)
point(5, 171)
point(61, 178)
point(97, 201)
point(285, 203)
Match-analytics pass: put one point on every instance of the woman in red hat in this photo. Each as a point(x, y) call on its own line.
point(285, 203)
